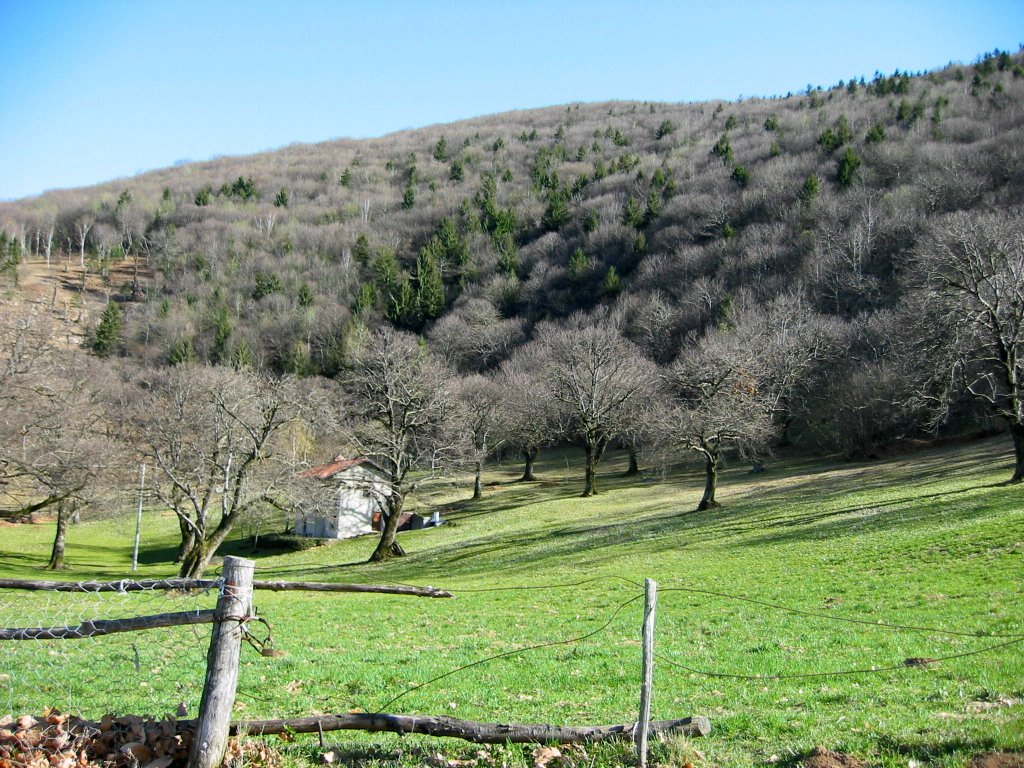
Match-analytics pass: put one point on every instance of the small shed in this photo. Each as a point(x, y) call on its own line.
point(353, 506)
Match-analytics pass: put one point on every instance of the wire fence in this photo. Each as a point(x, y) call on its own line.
point(671, 656)
point(74, 663)
point(304, 647)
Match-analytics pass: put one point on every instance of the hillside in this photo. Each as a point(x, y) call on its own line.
point(672, 215)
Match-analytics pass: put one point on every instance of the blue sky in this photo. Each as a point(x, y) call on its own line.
point(96, 90)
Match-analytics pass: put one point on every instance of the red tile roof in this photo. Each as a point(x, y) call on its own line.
point(336, 467)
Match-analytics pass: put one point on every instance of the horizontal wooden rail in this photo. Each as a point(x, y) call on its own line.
point(316, 586)
point(96, 628)
point(131, 585)
point(124, 585)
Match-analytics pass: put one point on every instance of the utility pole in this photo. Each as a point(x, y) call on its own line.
point(138, 520)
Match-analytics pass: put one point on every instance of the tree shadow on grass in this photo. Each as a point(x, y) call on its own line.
point(758, 515)
point(854, 519)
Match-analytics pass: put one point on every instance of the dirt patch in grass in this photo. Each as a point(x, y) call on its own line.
point(998, 760)
point(826, 758)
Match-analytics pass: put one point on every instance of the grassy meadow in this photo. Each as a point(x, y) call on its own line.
point(830, 552)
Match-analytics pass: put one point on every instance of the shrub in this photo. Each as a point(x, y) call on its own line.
point(771, 123)
point(809, 191)
point(723, 149)
point(267, 283)
point(667, 128)
point(875, 135)
point(181, 351)
point(281, 199)
point(285, 542)
point(578, 264)
point(741, 176)
point(612, 282)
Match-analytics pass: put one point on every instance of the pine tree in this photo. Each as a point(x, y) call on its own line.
point(107, 337)
point(429, 286)
point(557, 212)
point(578, 264)
point(847, 169)
point(441, 150)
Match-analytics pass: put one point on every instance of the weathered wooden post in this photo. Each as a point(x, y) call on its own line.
point(233, 608)
point(650, 600)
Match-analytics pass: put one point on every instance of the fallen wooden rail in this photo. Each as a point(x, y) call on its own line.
point(99, 627)
point(480, 733)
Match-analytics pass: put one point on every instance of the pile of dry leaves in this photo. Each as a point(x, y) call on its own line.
point(57, 740)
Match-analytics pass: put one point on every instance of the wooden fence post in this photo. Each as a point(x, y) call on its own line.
point(233, 608)
point(650, 600)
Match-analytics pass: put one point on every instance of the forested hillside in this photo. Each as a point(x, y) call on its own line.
point(810, 228)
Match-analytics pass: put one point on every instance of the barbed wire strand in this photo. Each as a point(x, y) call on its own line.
point(842, 619)
point(909, 664)
point(478, 590)
point(513, 652)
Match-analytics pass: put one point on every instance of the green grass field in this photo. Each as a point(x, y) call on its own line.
point(931, 540)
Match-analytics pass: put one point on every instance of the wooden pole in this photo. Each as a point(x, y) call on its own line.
point(138, 520)
point(650, 600)
point(233, 608)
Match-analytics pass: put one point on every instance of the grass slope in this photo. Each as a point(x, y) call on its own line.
point(931, 539)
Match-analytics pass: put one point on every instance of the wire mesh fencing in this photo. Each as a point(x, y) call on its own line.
point(71, 651)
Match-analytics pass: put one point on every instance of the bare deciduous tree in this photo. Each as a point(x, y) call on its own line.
point(219, 440)
point(528, 420)
point(718, 399)
point(478, 414)
point(974, 270)
point(56, 450)
point(593, 375)
point(400, 411)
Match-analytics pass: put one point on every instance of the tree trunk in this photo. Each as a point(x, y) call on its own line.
point(387, 547)
point(57, 554)
point(1017, 433)
point(188, 540)
point(634, 465)
point(529, 457)
point(590, 479)
point(478, 491)
point(710, 482)
point(195, 561)
point(205, 547)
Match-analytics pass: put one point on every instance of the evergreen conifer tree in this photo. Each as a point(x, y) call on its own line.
point(107, 337)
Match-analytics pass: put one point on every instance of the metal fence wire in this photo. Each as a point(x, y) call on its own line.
point(64, 651)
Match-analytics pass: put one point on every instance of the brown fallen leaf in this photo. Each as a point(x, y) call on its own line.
point(544, 755)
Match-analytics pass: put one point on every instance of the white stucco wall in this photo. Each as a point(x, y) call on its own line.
point(356, 501)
